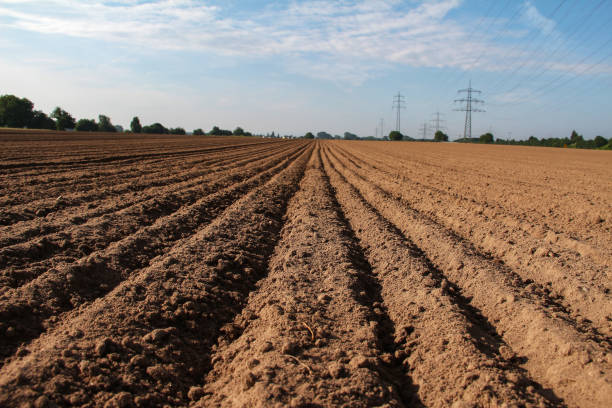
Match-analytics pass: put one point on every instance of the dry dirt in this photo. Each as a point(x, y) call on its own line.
point(202, 272)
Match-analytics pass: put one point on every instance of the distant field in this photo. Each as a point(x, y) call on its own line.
point(233, 271)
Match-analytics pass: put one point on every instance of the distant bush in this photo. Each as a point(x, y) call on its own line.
point(309, 135)
point(15, 112)
point(135, 125)
point(198, 132)
point(395, 135)
point(600, 141)
point(86, 125)
point(486, 138)
point(219, 132)
point(177, 131)
point(575, 137)
point(63, 120)
point(155, 128)
point(40, 120)
point(105, 125)
point(440, 136)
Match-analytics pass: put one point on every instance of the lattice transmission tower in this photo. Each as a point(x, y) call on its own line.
point(399, 103)
point(438, 123)
point(468, 109)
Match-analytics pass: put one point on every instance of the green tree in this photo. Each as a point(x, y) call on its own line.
point(486, 138)
point(440, 136)
point(533, 141)
point(198, 132)
point(600, 141)
point(350, 136)
point(575, 137)
point(238, 131)
point(177, 131)
point(395, 135)
point(40, 120)
point(63, 120)
point(86, 125)
point(105, 125)
point(309, 135)
point(156, 128)
point(15, 112)
point(135, 125)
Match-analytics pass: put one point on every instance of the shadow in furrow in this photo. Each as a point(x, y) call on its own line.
point(553, 304)
point(484, 334)
point(35, 308)
point(368, 292)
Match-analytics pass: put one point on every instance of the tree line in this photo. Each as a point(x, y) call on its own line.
point(18, 112)
point(575, 141)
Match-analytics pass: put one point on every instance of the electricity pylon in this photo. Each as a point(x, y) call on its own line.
point(468, 109)
point(437, 123)
point(399, 103)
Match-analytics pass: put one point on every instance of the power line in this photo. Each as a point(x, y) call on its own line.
point(399, 103)
point(456, 77)
point(542, 90)
point(468, 109)
point(548, 66)
point(503, 31)
point(505, 78)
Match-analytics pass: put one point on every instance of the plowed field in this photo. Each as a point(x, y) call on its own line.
point(201, 271)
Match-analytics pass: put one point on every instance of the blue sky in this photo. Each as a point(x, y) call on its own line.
point(544, 67)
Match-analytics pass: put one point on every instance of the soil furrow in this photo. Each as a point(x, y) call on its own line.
point(307, 336)
point(452, 353)
point(26, 198)
point(557, 354)
point(575, 208)
point(87, 211)
point(104, 190)
point(584, 296)
point(27, 311)
point(95, 234)
point(38, 186)
point(538, 226)
point(95, 166)
point(119, 157)
point(148, 341)
point(542, 294)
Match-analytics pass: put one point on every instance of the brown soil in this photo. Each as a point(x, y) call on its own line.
point(196, 271)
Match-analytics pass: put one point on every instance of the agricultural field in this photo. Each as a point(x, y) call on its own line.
point(233, 271)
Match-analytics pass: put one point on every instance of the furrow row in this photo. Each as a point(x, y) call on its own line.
point(558, 355)
point(106, 190)
point(34, 188)
point(123, 158)
point(560, 278)
point(571, 210)
point(450, 350)
point(29, 310)
point(67, 240)
point(309, 335)
point(148, 341)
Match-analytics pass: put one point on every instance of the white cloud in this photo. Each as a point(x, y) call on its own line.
point(345, 37)
point(346, 40)
point(537, 20)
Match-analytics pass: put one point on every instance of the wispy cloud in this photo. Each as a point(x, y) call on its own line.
point(536, 19)
point(340, 36)
point(347, 40)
